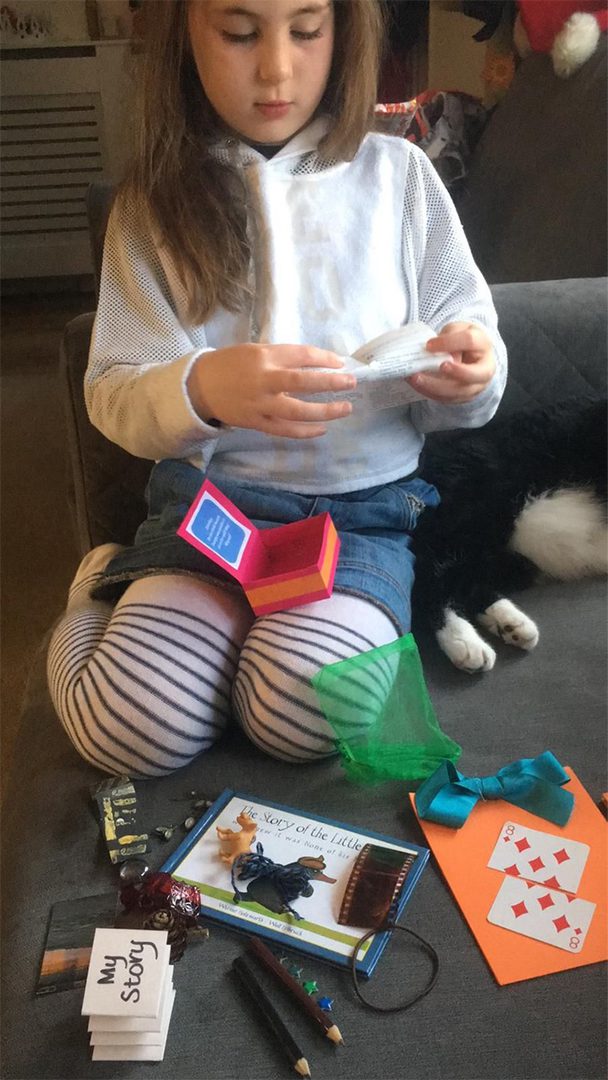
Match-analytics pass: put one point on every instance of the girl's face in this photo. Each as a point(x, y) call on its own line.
point(263, 64)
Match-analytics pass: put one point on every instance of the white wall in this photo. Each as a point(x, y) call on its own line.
point(455, 61)
point(66, 19)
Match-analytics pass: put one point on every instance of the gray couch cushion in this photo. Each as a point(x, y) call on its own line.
point(468, 1027)
point(555, 333)
point(534, 206)
point(553, 698)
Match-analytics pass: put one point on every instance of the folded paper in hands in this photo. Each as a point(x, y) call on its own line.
point(383, 366)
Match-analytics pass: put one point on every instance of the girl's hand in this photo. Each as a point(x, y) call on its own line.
point(468, 372)
point(257, 386)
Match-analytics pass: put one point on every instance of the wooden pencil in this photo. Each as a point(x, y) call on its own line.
point(271, 1016)
point(272, 964)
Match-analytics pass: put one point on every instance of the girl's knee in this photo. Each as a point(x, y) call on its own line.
point(129, 746)
point(148, 689)
point(282, 718)
point(124, 727)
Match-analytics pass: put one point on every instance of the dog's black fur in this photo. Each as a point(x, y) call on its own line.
point(485, 478)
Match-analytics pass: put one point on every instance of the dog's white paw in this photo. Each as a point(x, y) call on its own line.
point(462, 644)
point(510, 624)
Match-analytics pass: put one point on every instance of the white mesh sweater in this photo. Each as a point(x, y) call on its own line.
point(344, 251)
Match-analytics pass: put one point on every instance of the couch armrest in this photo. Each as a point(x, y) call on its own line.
point(107, 483)
point(555, 332)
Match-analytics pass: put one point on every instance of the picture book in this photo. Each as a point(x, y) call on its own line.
point(300, 880)
point(382, 367)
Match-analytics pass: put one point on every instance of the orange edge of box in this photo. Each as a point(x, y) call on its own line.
point(299, 588)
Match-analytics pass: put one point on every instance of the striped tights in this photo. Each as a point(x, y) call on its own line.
point(143, 687)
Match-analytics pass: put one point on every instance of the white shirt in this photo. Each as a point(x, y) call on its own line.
point(342, 252)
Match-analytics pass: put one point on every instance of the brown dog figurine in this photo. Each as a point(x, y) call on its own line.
point(236, 843)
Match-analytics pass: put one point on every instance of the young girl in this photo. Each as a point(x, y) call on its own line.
point(262, 235)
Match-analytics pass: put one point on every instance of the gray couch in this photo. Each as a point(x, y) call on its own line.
point(534, 204)
point(468, 1028)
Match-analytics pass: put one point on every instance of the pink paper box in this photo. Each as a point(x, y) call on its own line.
point(278, 568)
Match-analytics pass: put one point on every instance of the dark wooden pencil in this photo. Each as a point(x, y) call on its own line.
point(271, 1016)
point(270, 961)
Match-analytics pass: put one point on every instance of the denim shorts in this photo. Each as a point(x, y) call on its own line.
point(375, 562)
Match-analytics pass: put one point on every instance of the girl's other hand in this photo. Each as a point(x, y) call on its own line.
point(257, 386)
point(471, 368)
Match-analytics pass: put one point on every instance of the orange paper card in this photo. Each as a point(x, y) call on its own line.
point(463, 855)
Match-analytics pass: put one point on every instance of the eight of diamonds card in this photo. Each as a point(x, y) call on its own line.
point(550, 859)
point(466, 857)
point(543, 914)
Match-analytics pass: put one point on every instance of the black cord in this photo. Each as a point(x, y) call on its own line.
point(390, 926)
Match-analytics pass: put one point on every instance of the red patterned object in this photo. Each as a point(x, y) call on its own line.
point(161, 890)
point(445, 125)
point(160, 902)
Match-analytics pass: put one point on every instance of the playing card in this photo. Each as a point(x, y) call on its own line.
point(543, 914)
point(539, 856)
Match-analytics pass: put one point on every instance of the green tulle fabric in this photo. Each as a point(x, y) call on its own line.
point(379, 708)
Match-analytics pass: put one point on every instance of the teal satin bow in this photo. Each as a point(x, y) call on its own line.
point(533, 784)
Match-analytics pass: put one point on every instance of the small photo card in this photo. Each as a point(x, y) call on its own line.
point(67, 950)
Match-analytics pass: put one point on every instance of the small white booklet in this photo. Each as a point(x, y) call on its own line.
point(382, 367)
point(127, 973)
point(136, 1025)
point(133, 1045)
point(129, 994)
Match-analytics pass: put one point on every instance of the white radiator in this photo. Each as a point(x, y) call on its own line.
point(63, 124)
point(51, 151)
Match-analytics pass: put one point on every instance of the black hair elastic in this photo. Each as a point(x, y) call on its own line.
point(390, 927)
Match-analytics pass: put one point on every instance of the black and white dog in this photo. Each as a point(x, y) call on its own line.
point(523, 497)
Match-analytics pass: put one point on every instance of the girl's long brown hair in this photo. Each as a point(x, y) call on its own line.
point(197, 204)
